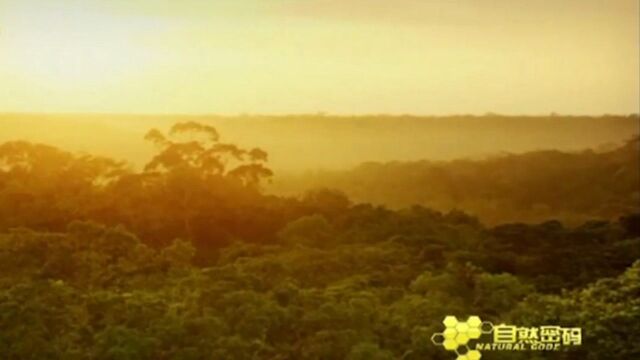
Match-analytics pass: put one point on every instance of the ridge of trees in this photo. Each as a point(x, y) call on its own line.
point(571, 186)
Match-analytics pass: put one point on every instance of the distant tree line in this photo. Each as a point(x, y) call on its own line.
point(531, 187)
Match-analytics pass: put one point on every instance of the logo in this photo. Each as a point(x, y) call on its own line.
point(468, 339)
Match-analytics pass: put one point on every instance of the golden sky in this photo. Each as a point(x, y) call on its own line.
point(305, 56)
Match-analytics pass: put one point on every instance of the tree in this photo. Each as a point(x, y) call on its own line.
point(203, 152)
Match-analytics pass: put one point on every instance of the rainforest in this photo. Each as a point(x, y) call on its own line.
point(195, 255)
point(319, 180)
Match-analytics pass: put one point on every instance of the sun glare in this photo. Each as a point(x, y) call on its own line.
point(72, 50)
point(341, 57)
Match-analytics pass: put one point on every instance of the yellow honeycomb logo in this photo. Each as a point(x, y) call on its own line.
point(457, 335)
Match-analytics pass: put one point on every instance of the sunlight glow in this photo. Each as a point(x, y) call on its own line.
point(340, 57)
point(72, 50)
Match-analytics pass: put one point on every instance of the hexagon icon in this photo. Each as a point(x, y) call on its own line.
point(462, 327)
point(450, 344)
point(474, 333)
point(437, 339)
point(449, 333)
point(450, 321)
point(462, 350)
point(474, 321)
point(462, 339)
point(486, 327)
point(474, 355)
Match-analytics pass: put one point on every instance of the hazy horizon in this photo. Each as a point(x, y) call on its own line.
point(339, 57)
point(298, 142)
point(320, 113)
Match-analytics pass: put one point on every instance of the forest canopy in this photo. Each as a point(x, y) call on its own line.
point(191, 258)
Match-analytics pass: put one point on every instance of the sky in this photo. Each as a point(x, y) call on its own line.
point(309, 56)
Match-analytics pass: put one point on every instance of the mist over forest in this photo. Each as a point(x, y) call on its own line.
point(194, 247)
point(298, 143)
point(500, 168)
point(573, 186)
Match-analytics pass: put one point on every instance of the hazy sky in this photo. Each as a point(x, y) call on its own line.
point(338, 56)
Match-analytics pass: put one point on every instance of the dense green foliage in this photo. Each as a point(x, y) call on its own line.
point(348, 291)
point(188, 259)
